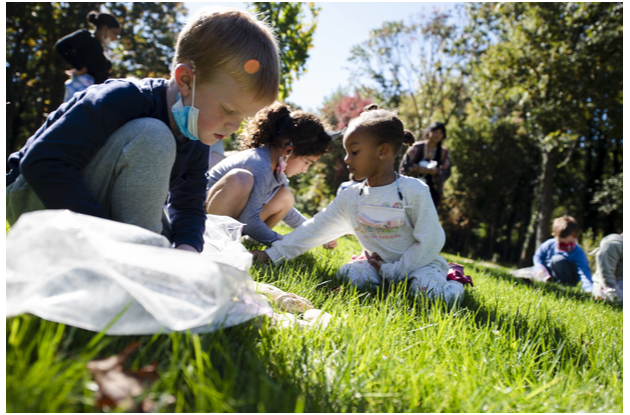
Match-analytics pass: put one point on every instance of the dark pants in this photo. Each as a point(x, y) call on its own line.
point(562, 271)
point(437, 198)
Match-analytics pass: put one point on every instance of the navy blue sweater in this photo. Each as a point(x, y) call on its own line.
point(52, 159)
point(82, 49)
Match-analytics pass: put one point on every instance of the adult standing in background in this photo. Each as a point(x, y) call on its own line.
point(429, 161)
point(84, 51)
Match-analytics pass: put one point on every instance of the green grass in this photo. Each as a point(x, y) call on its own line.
point(509, 347)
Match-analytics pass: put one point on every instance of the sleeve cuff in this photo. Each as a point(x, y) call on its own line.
point(275, 256)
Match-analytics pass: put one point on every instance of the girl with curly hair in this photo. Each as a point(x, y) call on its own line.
point(252, 186)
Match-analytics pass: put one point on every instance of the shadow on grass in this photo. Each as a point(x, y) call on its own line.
point(546, 288)
point(222, 371)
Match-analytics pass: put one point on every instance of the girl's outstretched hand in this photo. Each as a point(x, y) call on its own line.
point(330, 245)
point(260, 256)
point(375, 260)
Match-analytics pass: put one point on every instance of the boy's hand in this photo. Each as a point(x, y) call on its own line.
point(375, 260)
point(330, 245)
point(260, 256)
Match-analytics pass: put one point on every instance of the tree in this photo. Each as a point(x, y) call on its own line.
point(35, 71)
point(295, 37)
point(563, 63)
point(340, 111)
point(411, 61)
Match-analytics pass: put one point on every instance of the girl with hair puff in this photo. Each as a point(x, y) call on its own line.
point(392, 216)
point(252, 186)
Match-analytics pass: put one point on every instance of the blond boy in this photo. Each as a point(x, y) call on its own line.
point(120, 149)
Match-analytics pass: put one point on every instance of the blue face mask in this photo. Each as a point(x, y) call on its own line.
point(186, 117)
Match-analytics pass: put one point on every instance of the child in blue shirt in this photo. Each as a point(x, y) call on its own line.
point(563, 258)
point(121, 149)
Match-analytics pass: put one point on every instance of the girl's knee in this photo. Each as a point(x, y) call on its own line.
point(240, 180)
point(285, 196)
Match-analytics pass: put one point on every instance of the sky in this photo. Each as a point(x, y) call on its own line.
point(340, 25)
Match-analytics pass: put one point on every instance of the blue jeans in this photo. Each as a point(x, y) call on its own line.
point(563, 271)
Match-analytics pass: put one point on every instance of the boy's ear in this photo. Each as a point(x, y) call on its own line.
point(184, 78)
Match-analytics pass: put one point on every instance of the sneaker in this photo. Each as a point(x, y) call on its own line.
point(456, 273)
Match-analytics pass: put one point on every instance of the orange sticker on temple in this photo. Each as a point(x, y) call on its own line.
point(251, 66)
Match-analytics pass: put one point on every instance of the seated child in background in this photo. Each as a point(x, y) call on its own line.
point(117, 150)
point(252, 186)
point(562, 257)
point(393, 217)
point(608, 278)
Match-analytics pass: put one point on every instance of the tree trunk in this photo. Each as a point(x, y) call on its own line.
point(493, 230)
point(507, 254)
point(467, 234)
point(546, 196)
point(525, 258)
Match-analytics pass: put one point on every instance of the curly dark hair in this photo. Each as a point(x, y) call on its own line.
point(383, 125)
point(277, 123)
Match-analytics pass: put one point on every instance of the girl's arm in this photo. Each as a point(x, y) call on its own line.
point(294, 218)
point(254, 226)
point(428, 234)
point(330, 223)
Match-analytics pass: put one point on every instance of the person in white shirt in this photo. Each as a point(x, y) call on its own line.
point(392, 216)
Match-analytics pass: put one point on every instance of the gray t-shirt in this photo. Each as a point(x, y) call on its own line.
point(266, 184)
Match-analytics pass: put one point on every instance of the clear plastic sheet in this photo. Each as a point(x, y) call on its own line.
point(537, 273)
point(83, 271)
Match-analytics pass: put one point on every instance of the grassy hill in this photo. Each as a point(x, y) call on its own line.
point(510, 347)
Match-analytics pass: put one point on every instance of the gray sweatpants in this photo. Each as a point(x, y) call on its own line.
point(430, 280)
point(129, 176)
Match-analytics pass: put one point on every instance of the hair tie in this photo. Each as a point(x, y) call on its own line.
point(281, 121)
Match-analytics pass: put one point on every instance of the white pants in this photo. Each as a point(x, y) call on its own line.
point(428, 280)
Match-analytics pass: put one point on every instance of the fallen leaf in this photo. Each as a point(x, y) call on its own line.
point(117, 388)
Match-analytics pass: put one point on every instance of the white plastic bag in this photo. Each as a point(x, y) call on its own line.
point(537, 273)
point(83, 271)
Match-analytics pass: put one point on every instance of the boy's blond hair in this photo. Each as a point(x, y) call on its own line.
point(225, 39)
point(565, 226)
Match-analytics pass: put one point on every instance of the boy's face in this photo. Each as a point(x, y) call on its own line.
point(566, 244)
point(222, 107)
point(571, 239)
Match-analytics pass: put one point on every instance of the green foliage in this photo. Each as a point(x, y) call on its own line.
point(562, 63)
point(35, 71)
point(509, 347)
point(295, 37)
point(610, 197)
point(147, 39)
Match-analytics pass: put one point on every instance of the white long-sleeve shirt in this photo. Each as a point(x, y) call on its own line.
point(415, 244)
